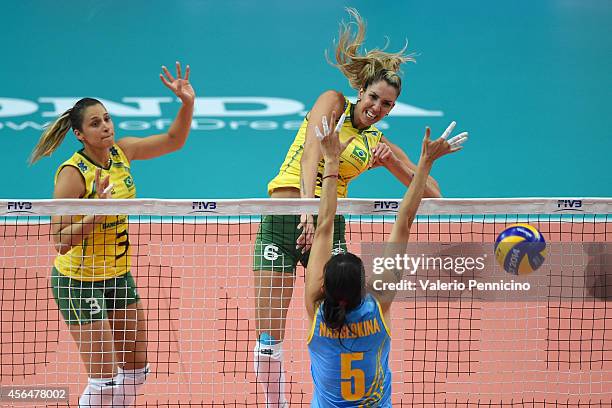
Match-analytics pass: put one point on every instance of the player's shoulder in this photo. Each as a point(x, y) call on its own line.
point(332, 97)
point(69, 182)
point(72, 166)
point(333, 93)
point(370, 304)
point(69, 171)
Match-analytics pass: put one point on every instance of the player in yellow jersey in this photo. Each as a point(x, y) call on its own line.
point(283, 241)
point(91, 279)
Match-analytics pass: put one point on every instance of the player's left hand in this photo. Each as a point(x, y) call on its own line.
point(102, 186)
point(179, 85)
point(382, 155)
point(433, 150)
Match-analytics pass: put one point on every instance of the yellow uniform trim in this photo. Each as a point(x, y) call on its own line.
point(314, 323)
point(382, 317)
point(76, 314)
point(374, 393)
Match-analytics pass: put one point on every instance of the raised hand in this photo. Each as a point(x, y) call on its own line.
point(433, 150)
point(179, 86)
point(331, 147)
point(102, 187)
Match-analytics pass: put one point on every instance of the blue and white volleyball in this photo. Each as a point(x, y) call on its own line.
point(520, 249)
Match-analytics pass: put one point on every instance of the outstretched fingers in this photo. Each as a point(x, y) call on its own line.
point(325, 125)
point(340, 122)
point(427, 134)
point(167, 73)
point(178, 70)
point(165, 81)
point(97, 180)
point(318, 133)
point(102, 186)
point(448, 130)
point(457, 141)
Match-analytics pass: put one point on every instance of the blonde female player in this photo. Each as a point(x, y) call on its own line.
point(91, 279)
point(349, 341)
point(375, 77)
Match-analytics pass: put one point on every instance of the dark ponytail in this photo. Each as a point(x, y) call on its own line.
point(334, 313)
point(344, 283)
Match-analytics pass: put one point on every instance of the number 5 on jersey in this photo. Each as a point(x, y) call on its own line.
point(353, 379)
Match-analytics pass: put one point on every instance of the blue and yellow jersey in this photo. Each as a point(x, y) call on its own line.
point(353, 161)
point(105, 253)
point(350, 367)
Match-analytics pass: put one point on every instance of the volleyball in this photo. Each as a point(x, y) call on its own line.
point(520, 249)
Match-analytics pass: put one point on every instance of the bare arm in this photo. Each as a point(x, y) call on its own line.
point(398, 163)
point(137, 148)
point(70, 231)
point(322, 243)
point(328, 102)
point(431, 151)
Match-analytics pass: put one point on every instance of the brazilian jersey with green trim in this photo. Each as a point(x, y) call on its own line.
point(104, 254)
point(355, 159)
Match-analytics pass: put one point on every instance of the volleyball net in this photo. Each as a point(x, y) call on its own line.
point(546, 342)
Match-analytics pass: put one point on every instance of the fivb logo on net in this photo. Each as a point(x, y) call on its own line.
point(140, 113)
point(569, 205)
point(19, 207)
point(203, 207)
point(386, 206)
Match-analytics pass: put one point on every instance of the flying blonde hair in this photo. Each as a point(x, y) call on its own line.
point(363, 70)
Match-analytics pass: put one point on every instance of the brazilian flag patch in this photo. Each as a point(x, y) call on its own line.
point(129, 182)
point(359, 154)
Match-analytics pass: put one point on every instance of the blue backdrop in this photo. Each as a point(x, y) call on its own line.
point(530, 81)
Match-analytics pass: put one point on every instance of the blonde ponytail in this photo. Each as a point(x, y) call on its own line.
point(52, 137)
point(363, 70)
point(54, 134)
